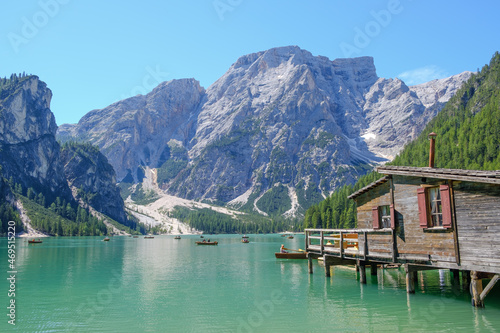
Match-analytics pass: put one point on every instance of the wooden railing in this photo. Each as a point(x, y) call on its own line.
point(350, 243)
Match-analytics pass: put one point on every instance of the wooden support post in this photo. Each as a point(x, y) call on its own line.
point(373, 270)
point(362, 272)
point(341, 245)
point(310, 263)
point(322, 247)
point(365, 245)
point(327, 268)
point(410, 279)
point(476, 289)
point(465, 280)
point(456, 276)
point(489, 286)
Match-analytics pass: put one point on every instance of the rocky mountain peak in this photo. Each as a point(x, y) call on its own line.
point(276, 117)
point(29, 117)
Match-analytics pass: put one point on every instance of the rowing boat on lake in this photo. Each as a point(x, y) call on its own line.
point(207, 243)
point(300, 255)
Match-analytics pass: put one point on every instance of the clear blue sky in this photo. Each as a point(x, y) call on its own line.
point(93, 53)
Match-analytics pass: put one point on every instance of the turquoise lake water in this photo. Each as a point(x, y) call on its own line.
point(83, 284)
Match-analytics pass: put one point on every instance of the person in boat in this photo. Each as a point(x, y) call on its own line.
point(204, 241)
point(282, 249)
point(209, 240)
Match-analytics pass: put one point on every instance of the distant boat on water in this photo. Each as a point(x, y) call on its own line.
point(34, 241)
point(106, 239)
point(177, 237)
point(206, 243)
point(149, 237)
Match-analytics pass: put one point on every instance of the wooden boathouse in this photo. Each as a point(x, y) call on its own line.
point(421, 218)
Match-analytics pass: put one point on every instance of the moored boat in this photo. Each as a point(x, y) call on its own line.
point(299, 255)
point(207, 243)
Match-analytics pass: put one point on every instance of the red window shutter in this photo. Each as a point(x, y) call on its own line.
point(422, 207)
point(446, 205)
point(376, 218)
point(393, 217)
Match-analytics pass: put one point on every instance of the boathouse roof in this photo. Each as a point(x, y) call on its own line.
point(479, 176)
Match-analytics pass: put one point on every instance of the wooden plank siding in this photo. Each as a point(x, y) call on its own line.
point(378, 196)
point(477, 208)
point(411, 238)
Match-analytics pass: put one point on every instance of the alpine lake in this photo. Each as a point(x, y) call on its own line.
point(83, 284)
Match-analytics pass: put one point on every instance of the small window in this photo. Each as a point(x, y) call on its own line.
point(434, 206)
point(385, 216)
point(436, 210)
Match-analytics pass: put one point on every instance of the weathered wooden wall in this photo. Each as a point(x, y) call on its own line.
point(378, 196)
point(413, 241)
point(477, 208)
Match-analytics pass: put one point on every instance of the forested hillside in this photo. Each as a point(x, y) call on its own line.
point(468, 137)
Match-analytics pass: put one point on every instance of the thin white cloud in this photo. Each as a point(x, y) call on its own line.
point(422, 75)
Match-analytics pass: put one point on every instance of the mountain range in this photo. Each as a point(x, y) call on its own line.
point(280, 124)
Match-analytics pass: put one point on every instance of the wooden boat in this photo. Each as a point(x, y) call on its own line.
point(106, 239)
point(149, 237)
point(298, 255)
point(207, 243)
point(290, 237)
point(136, 236)
point(245, 240)
point(34, 241)
point(202, 236)
point(177, 237)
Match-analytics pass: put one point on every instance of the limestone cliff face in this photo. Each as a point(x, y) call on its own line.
point(135, 132)
point(281, 116)
point(31, 156)
point(93, 179)
point(29, 150)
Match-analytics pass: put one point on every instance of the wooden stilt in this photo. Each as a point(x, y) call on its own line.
point(327, 269)
point(410, 279)
point(456, 276)
point(489, 286)
point(476, 289)
point(465, 280)
point(373, 269)
point(310, 264)
point(362, 272)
